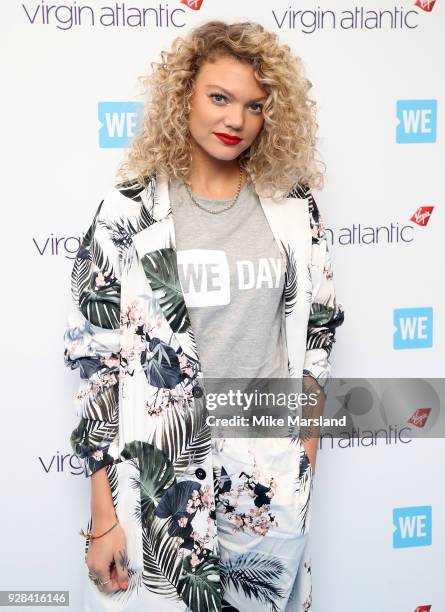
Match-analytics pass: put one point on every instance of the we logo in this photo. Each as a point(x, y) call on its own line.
point(412, 526)
point(413, 328)
point(417, 121)
point(204, 277)
point(119, 123)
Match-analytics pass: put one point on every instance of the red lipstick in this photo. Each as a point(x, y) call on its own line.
point(227, 138)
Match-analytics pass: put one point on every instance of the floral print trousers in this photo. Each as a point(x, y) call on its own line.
point(263, 492)
point(263, 518)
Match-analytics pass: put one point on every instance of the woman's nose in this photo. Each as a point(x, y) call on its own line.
point(235, 119)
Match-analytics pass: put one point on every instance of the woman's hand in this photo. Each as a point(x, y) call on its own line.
point(107, 558)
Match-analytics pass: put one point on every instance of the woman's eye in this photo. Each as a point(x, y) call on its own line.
point(258, 106)
point(217, 95)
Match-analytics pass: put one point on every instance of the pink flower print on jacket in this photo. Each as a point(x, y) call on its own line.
point(259, 519)
point(98, 455)
point(134, 315)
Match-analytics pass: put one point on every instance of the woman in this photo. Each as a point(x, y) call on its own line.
point(211, 259)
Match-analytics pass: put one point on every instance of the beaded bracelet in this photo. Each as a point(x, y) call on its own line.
point(89, 535)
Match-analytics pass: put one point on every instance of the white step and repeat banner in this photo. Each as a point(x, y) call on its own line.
point(69, 99)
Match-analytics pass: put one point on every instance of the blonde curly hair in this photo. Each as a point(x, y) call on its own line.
point(283, 153)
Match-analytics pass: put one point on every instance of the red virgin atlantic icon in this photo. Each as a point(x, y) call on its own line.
point(194, 4)
point(423, 609)
point(422, 215)
point(419, 417)
point(426, 5)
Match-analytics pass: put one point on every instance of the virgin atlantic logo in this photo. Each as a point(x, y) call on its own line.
point(422, 215)
point(419, 417)
point(193, 4)
point(426, 5)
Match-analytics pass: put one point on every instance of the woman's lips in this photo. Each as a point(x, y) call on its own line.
point(226, 139)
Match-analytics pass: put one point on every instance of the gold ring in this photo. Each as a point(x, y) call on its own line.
point(97, 581)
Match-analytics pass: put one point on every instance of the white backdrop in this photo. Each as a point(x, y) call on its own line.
point(56, 72)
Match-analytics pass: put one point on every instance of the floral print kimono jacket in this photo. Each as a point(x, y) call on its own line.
point(211, 524)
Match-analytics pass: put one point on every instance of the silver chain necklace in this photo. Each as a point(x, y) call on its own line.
point(217, 212)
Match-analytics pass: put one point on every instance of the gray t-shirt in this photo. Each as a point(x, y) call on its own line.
point(232, 276)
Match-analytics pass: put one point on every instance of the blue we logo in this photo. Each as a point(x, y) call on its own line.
point(413, 328)
point(119, 123)
point(412, 526)
point(417, 121)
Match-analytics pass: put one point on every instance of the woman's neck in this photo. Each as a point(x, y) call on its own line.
point(213, 178)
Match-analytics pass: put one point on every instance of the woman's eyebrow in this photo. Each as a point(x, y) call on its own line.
point(230, 94)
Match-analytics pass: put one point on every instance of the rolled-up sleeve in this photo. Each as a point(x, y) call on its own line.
point(326, 314)
point(92, 345)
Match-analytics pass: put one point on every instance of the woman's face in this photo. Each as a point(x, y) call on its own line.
point(227, 99)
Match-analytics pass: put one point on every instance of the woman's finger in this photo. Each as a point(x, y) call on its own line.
point(121, 562)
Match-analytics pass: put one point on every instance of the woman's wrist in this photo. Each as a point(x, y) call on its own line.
point(103, 518)
point(102, 508)
point(102, 524)
point(98, 532)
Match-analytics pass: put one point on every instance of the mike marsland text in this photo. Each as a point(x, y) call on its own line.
point(270, 421)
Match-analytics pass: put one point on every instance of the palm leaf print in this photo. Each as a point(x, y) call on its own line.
point(304, 483)
point(192, 339)
point(160, 364)
point(323, 320)
point(123, 230)
point(94, 285)
point(102, 431)
point(90, 440)
point(162, 563)
point(199, 586)
point(184, 438)
point(257, 576)
point(320, 314)
point(113, 479)
point(309, 284)
point(100, 304)
point(156, 475)
point(131, 189)
point(81, 268)
point(304, 515)
point(299, 190)
point(101, 404)
point(161, 270)
point(93, 433)
point(304, 469)
point(290, 280)
point(144, 220)
point(189, 346)
point(217, 471)
point(134, 586)
point(318, 234)
point(226, 607)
